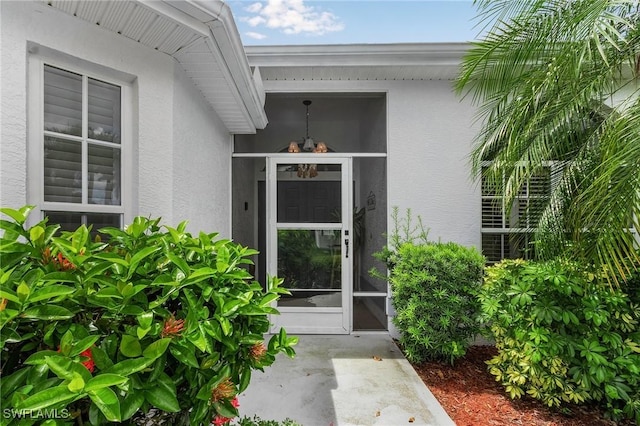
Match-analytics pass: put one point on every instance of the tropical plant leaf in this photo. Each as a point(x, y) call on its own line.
point(162, 398)
point(108, 403)
point(47, 313)
point(47, 398)
point(104, 380)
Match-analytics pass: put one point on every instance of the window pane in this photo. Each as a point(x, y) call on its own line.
point(307, 200)
point(104, 111)
point(369, 313)
point(494, 247)
point(103, 220)
point(62, 101)
point(367, 284)
point(309, 261)
point(67, 221)
point(311, 299)
point(492, 213)
point(104, 175)
point(62, 170)
point(72, 221)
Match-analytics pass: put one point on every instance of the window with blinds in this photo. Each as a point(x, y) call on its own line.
point(82, 156)
point(508, 233)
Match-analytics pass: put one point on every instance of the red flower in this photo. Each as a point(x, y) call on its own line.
point(63, 263)
point(235, 402)
point(89, 364)
point(172, 327)
point(218, 420)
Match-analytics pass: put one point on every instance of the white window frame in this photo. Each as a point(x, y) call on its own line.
point(36, 133)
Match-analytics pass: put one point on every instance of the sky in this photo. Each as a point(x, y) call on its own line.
point(286, 22)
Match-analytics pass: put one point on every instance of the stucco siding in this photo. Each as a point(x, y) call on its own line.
point(13, 113)
point(430, 137)
point(180, 159)
point(202, 162)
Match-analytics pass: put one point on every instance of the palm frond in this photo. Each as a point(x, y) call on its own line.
point(552, 83)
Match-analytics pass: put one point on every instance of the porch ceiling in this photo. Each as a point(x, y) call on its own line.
point(412, 61)
point(201, 36)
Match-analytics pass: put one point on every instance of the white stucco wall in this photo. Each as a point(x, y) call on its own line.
point(202, 162)
point(13, 113)
point(181, 156)
point(430, 138)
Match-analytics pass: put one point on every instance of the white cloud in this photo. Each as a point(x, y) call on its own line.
point(292, 17)
point(254, 35)
point(254, 21)
point(254, 8)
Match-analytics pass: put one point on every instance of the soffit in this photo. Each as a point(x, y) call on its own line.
point(204, 41)
point(412, 61)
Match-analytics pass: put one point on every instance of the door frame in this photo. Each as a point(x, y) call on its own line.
point(317, 320)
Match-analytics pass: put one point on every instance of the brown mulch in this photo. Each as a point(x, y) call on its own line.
point(472, 397)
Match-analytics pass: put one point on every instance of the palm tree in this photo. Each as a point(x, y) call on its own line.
point(556, 81)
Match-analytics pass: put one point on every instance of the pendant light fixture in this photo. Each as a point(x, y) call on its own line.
point(307, 145)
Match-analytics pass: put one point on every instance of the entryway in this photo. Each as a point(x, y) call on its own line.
point(317, 218)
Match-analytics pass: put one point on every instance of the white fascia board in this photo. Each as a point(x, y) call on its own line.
point(401, 54)
point(230, 46)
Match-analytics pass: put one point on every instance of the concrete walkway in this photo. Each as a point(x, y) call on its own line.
point(343, 380)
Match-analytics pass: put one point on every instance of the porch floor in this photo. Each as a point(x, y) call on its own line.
point(343, 380)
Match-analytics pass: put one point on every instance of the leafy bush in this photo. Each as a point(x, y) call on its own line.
point(155, 319)
point(434, 289)
point(563, 335)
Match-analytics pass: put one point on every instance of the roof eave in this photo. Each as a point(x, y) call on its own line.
point(398, 54)
point(224, 36)
point(213, 19)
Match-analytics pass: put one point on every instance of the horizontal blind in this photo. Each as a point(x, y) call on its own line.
point(104, 175)
point(81, 154)
point(62, 101)
point(510, 234)
point(62, 170)
point(104, 111)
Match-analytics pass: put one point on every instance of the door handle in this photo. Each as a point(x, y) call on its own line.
point(346, 247)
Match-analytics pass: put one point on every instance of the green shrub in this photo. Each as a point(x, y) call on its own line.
point(434, 288)
point(154, 320)
point(563, 335)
